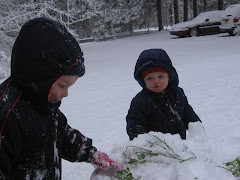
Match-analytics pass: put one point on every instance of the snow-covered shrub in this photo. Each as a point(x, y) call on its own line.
point(234, 167)
point(153, 149)
point(4, 66)
point(164, 156)
point(13, 21)
point(6, 43)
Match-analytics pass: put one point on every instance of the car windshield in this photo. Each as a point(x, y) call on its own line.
point(208, 15)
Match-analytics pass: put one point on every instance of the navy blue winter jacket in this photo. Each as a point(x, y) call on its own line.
point(150, 111)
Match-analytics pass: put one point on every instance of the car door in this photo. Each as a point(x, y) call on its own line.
point(208, 27)
point(212, 23)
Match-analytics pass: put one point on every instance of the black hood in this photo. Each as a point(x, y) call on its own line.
point(43, 51)
point(155, 57)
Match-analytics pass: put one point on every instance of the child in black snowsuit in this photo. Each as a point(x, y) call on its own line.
point(161, 106)
point(46, 60)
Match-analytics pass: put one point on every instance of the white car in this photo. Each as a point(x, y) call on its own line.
point(230, 22)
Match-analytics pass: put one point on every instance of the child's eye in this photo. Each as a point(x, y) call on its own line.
point(161, 76)
point(62, 85)
point(149, 78)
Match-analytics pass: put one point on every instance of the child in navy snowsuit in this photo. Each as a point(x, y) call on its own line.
point(161, 106)
point(34, 135)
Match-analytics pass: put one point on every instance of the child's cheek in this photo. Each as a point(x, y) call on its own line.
point(48, 97)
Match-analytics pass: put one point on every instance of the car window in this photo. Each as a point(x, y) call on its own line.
point(200, 17)
point(215, 15)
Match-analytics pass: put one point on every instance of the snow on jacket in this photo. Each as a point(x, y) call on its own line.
point(150, 111)
point(35, 135)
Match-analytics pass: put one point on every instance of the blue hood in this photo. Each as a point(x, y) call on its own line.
point(156, 57)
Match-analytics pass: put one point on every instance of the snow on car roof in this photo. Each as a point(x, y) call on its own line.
point(233, 9)
point(209, 15)
point(213, 16)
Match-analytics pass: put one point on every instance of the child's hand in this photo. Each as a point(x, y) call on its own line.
point(103, 161)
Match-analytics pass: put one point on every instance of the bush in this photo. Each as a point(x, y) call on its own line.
point(233, 167)
point(4, 66)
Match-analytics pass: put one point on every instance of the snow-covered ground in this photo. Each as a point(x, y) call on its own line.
point(208, 68)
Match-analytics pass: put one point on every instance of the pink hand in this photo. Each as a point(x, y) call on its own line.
point(103, 161)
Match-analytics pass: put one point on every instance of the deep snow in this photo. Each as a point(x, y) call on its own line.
point(208, 68)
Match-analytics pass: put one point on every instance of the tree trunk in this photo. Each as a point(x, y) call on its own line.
point(204, 5)
point(194, 8)
point(220, 4)
point(171, 15)
point(185, 10)
point(175, 5)
point(159, 14)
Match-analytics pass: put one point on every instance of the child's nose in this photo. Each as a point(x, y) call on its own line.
point(156, 80)
point(65, 94)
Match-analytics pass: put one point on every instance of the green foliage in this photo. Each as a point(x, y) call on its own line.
point(125, 175)
point(234, 167)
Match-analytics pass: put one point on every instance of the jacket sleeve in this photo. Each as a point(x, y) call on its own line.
point(11, 146)
point(137, 118)
point(189, 115)
point(75, 146)
point(4, 165)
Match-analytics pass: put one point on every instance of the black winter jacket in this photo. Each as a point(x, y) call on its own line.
point(149, 111)
point(35, 135)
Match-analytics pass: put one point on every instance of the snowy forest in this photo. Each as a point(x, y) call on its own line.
point(99, 19)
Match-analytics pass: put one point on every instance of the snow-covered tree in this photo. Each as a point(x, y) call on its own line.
point(102, 18)
point(117, 16)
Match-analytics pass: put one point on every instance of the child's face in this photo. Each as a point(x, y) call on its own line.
point(157, 81)
point(59, 89)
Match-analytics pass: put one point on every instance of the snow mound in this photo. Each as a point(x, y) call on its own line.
point(157, 156)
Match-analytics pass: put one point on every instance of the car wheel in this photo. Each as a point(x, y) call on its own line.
point(194, 32)
point(233, 33)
